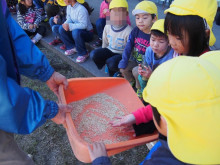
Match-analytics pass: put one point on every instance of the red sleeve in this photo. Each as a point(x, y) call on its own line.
point(143, 115)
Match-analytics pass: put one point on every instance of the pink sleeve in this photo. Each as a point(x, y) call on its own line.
point(128, 20)
point(143, 115)
point(103, 6)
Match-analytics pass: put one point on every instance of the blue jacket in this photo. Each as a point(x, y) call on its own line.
point(22, 109)
point(160, 154)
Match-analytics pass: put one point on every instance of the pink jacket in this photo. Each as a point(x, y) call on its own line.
point(143, 115)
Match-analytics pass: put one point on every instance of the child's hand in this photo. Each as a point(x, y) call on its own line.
point(31, 26)
point(147, 73)
point(127, 120)
point(105, 11)
point(55, 19)
point(98, 150)
point(66, 26)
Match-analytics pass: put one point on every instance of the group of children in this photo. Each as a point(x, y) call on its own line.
point(136, 53)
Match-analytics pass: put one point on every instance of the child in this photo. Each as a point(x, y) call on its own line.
point(76, 30)
point(101, 22)
point(146, 14)
point(57, 21)
point(189, 28)
point(29, 18)
point(12, 5)
point(186, 113)
point(114, 38)
point(158, 52)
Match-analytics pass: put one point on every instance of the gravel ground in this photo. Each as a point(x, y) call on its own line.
point(49, 144)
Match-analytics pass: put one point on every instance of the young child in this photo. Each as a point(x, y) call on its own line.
point(57, 21)
point(158, 53)
point(12, 5)
point(145, 13)
point(29, 18)
point(76, 30)
point(101, 22)
point(115, 37)
point(186, 112)
point(189, 28)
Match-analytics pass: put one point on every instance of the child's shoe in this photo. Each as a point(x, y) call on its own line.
point(117, 74)
point(98, 43)
point(70, 52)
point(81, 59)
point(63, 47)
point(36, 38)
point(55, 42)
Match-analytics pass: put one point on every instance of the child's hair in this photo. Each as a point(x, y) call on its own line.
point(193, 26)
point(153, 16)
point(22, 8)
point(89, 8)
point(156, 115)
point(158, 33)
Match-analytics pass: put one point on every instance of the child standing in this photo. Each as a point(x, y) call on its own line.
point(76, 30)
point(115, 37)
point(146, 14)
point(158, 53)
point(29, 18)
point(57, 21)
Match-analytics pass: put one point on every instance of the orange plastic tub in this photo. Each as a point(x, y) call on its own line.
point(117, 88)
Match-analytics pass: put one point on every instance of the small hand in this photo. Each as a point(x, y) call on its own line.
point(105, 11)
point(123, 121)
point(31, 26)
point(60, 118)
point(55, 81)
point(66, 26)
point(98, 150)
point(55, 19)
point(147, 73)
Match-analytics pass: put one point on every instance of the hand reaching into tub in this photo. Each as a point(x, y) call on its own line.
point(127, 120)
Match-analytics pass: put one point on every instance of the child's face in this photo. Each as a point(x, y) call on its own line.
point(27, 3)
point(179, 44)
point(144, 22)
point(118, 16)
point(159, 45)
point(69, 2)
point(108, 1)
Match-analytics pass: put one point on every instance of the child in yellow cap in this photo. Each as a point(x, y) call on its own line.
point(189, 24)
point(145, 14)
point(114, 38)
point(76, 30)
point(186, 113)
point(157, 53)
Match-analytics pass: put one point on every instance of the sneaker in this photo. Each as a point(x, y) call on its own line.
point(81, 59)
point(70, 52)
point(36, 38)
point(63, 47)
point(55, 42)
point(98, 43)
point(139, 93)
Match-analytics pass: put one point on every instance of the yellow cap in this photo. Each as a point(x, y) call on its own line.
point(61, 2)
point(81, 1)
point(203, 8)
point(118, 3)
point(158, 25)
point(145, 7)
point(186, 92)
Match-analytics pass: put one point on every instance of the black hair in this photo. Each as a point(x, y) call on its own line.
point(23, 9)
point(156, 115)
point(158, 33)
point(194, 26)
point(89, 8)
point(153, 16)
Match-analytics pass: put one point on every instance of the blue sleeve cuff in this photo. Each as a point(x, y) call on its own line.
point(103, 160)
point(52, 110)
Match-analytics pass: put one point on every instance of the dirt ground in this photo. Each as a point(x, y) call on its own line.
point(49, 145)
